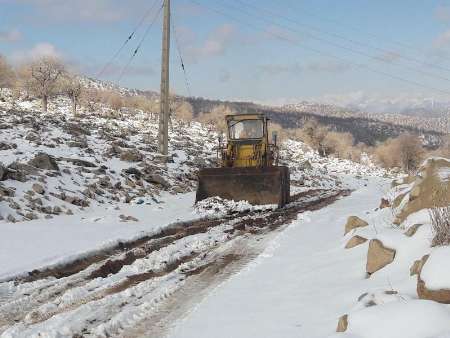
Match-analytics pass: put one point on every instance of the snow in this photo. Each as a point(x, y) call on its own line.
point(436, 272)
point(218, 207)
point(413, 319)
point(444, 174)
point(29, 245)
point(298, 287)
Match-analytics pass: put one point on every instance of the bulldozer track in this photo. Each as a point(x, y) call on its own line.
point(150, 281)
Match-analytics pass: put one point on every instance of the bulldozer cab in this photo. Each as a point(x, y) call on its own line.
point(248, 142)
point(246, 127)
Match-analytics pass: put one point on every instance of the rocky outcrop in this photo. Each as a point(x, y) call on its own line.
point(354, 222)
point(355, 241)
point(429, 189)
point(378, 256)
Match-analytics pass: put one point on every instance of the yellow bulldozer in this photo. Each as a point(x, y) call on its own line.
point(248, 165)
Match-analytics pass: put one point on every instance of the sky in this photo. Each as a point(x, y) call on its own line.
point(344, 52)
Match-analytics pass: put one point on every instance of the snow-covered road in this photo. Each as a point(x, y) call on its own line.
point(298, 287)
point(30, 245)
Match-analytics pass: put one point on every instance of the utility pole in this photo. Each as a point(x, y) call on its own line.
point(163, 135)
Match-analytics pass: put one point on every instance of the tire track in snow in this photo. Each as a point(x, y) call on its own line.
point(144, 278)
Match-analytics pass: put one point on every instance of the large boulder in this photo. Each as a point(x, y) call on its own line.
point(430, 188)
point(354, 222)
point(44, 161)
point(433, 282)
point(355, 241)
point(378, 256)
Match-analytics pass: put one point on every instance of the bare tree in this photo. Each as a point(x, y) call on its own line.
point(184, 112)
point(74, 89)
point(43, 78)
point(7, 75)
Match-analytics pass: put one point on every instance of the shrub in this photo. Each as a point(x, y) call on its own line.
point(406, 151)
point(440, 222)
point(7, 75)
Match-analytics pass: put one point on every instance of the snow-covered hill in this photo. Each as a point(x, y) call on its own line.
point(57, 163)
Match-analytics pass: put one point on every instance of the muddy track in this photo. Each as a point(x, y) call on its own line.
point(145, 278)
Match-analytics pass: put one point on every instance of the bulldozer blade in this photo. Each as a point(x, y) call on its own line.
point(258, 186)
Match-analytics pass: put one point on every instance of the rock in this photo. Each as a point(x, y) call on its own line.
point(378, 256)
point(79, 162)
point(354, 222)
point(124, 218)
point(384, 203)
point(38, 189)
point(78, 144)
point(11, 218)
point(412, 230)
point(415, 268)
point(32, 137)
point(31, 216)
point(158, 179)
point(428, 189)
point(6, 146)
point(133, 171)
point(441, 295)
point(342, 324)
point(6, 192)
point(44, 161)
point(76, 129)
point(3, 172)
point(131, 155)
point(355, 241)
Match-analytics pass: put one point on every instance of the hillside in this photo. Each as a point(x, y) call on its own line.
point(365, 128)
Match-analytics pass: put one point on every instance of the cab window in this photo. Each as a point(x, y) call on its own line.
point(246, 129)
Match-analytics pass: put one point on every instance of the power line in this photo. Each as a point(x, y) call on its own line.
point(186, 81)
point(343, 47)
point(358, 29)
point(152, 22)
point(317, 51)
point(353, 41)
point(147, 13)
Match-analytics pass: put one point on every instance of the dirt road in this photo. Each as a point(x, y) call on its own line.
point(140, 288)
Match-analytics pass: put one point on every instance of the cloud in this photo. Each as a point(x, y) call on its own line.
point(442, 13)
point(297, 68)
point(443, 40)
point(39, 50)
point(216, 44)
point(10, 36)
point(80, 10)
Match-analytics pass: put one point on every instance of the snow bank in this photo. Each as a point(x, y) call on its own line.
point(436, 271)
point(412, 319)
